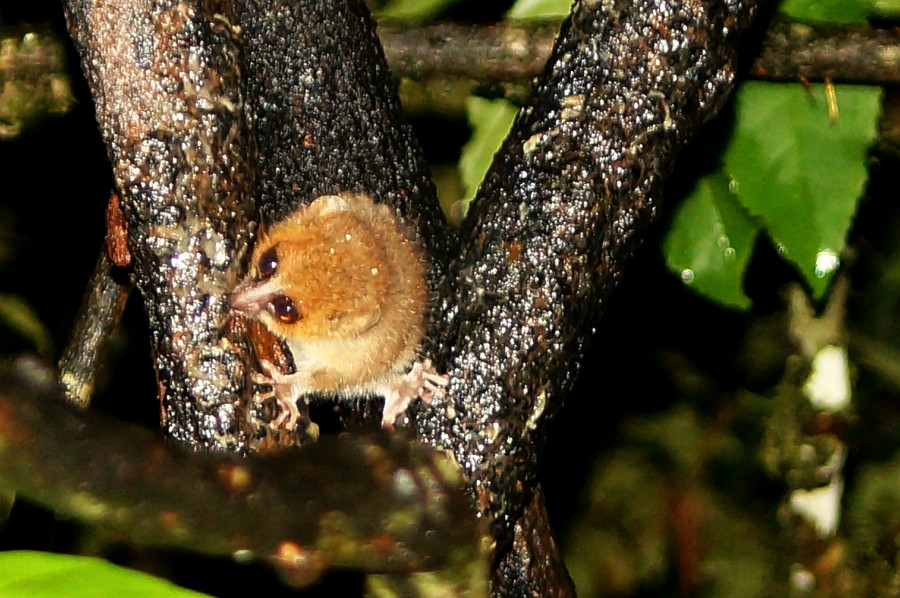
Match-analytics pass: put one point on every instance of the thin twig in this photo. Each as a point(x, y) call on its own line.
point(84, 357)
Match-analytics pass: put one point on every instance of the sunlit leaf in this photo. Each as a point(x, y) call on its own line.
point(413, 10)
point(801, 169)
point(539, 9)
point(710, 242)
point(25, 574)
point(831, 11)
point(490, 121)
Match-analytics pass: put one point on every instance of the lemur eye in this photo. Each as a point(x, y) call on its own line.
point(268, 263)
point(285, 310)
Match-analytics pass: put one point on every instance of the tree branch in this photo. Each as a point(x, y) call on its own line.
point(562, 208)
point(496, 56)
point(98, 317)
point(286, 509)
point(516, 52)
point(502, 53)
point(166, 81)
point(846, 54)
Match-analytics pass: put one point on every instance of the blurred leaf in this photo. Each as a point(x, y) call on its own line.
point(710, 241)
point(413, 10)
point(34, 80)
point(539, 9)
point(800, 170)
point(17, 315)
point(627, 537)
point(886, 9)
point(831, 11)
point(618, 542)
point(41, 574)
point(490, 121)
point(873, 506)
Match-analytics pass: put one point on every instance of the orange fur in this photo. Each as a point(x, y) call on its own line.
point(354, 274)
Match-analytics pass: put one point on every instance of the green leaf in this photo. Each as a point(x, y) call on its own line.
point(28, 574)
point(801, 170)
point(886, 9)
point(413, 10)
point(539, 9)
point(490, 121)
point(830, 11)
point(710, 241)
point(17, 315)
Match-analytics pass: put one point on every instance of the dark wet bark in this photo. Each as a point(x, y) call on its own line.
point(213, 117)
